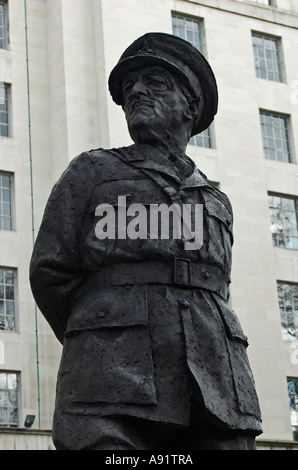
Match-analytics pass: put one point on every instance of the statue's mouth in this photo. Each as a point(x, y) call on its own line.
point(140, 104)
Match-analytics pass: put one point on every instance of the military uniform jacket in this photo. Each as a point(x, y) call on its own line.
point(145, 324)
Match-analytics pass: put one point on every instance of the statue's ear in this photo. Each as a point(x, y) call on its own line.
point(194, 109)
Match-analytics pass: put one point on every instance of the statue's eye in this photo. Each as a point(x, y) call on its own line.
point(158, 83)
point(127, 86)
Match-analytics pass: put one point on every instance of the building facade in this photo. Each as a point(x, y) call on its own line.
point(55, 59)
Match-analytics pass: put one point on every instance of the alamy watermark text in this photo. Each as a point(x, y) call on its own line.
point(153, 221)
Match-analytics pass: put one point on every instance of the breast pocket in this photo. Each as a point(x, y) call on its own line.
point(215, 208)
point(218, 236)
point(107, 350)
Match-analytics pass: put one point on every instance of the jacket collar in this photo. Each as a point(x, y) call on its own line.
point(195, 180)
point(149, 158)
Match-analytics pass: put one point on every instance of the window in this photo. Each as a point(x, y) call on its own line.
point(267, 57)
point(275, 135)
point(284, 221)
point(6, 202)
point(3, 25)
point(203, 139)
point(293, 401)
point(189, 29)
point(288, 307)
point(9, 398)
point(7, 299)
point(4, 110)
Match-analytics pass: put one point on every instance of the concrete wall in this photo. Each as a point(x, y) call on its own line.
point(25, 440)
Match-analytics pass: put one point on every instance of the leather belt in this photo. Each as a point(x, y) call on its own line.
point(181, 272)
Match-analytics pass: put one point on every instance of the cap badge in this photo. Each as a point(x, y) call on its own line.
point(146, 49)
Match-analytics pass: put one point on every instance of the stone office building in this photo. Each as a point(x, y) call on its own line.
point(55, 59)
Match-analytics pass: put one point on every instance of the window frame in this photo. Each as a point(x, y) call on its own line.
point(288, 317)
point(279, 58)
point(15, 300)
point(265, 136)
point(196, 19)
point(294, 396)
point(7, 88)
point(12, 201)
point(8, 424)
point(5, 37)
point(202, 138)
point(283, 236)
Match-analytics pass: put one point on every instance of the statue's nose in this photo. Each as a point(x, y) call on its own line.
point(139, 88)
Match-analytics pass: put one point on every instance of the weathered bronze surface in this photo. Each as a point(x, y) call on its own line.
point(153, 356)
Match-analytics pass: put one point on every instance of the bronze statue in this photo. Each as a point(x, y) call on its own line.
point(153, 356)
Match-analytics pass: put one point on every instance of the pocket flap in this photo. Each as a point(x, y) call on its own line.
point(231, 322)
point(110, 307)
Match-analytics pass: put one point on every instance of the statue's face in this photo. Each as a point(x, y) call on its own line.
point(154, 104)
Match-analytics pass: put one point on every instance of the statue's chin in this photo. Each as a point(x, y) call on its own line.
point(141, 135)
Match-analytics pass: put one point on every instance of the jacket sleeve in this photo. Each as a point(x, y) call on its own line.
point(55, 267)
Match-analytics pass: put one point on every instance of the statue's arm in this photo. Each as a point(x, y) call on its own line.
point(55, 268)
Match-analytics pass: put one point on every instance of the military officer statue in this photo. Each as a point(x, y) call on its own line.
point(153, 356)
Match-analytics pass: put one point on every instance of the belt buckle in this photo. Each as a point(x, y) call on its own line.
point(182, 272)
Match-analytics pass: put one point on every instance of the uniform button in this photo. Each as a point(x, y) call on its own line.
point(205, 275)
point(101, 314)
point(182, 195)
